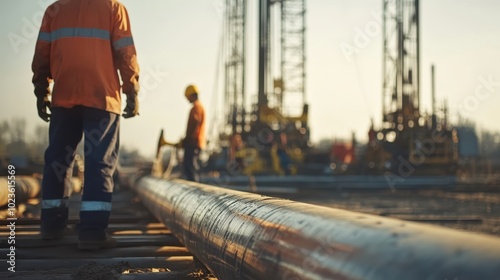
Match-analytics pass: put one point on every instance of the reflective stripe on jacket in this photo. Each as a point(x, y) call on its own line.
point(195, 132)
point(81, 45)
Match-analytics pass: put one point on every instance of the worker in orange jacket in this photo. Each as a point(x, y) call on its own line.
point(81, 46)
point(194, 141)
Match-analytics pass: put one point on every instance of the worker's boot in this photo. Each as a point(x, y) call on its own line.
point(87, 243)
point(52, 234)
point(54, 223)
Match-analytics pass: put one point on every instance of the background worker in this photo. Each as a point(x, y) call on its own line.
point(194, 141)
point(80, 47)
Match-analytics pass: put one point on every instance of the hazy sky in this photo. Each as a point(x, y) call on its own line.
point(178, 41)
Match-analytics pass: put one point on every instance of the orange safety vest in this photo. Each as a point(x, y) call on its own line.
point(81, 45)
point(195, 132)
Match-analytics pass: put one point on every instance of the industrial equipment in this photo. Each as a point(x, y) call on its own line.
point(274, 133)
point(157, 168)
point(420, 143)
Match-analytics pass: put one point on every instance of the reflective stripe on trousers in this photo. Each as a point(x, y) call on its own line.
point(95, 206)
point(55, 203)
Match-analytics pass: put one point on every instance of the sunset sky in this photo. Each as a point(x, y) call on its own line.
point(178, 40)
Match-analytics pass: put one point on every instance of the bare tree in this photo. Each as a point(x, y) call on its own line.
point(4, 128)
point(17, 130)
point(40, 141)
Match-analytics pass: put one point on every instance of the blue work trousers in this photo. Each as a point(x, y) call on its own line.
point(101, 135)
point(191, 167)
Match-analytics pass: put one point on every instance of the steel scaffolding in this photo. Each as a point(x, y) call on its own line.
point(401, 81)
point(235, 48)
point(293, 57)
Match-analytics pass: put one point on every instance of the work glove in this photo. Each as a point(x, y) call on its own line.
point(132, 108)
point(43, 104)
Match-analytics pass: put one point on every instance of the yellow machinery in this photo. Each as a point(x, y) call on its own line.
point(274, 134)
point(157, 169)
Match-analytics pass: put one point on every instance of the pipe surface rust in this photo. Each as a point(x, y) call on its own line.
point(240, 235)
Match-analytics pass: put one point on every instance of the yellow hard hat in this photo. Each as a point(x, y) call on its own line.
point(190, 90)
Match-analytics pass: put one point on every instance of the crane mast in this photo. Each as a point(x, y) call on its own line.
point(282, 90)
point(292, 85)
point(408, 136)
point(280, 94)
point(235, 64)
point(264, 45)
point(401, 64)
point(280, 109)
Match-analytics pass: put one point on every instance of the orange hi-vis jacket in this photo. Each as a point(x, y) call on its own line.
point(81, 46)
point(195, 131)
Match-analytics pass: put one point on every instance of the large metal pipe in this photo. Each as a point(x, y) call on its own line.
point(240, 235)
point(25, 188)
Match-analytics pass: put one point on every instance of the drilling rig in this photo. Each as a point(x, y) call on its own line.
point(422, 144)
point(273, 130)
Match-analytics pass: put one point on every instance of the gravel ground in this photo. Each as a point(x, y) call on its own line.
point(120, 271)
